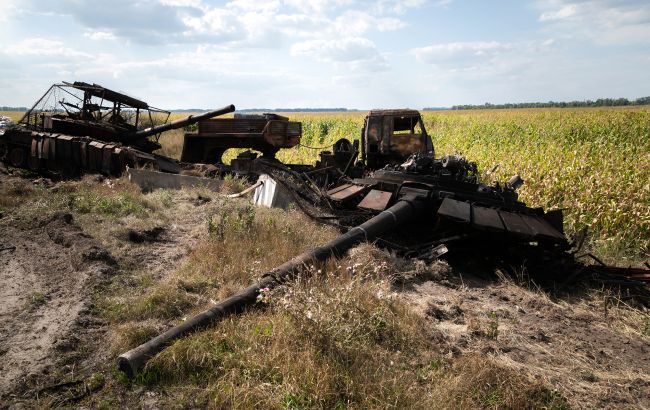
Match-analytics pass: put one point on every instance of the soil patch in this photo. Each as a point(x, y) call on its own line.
point(584, 349)
point(48, 272)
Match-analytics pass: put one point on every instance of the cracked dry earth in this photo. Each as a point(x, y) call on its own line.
point(582, 348)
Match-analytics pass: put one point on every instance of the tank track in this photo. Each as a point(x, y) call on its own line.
point(70, 155)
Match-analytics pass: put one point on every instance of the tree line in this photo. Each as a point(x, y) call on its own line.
point(5, 108)
point(601, 102)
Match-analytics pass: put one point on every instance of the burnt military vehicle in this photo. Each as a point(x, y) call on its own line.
point(266, 133)
point(405, 197)
point(397, 156)
point(391, 136)
point(79, 127)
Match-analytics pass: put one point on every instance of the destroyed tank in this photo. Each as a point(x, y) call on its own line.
point(80, 127)
point(398, 156)
point(403, 198)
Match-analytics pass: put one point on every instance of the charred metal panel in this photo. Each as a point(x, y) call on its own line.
point(541, 227)
point(376, 200)
point(266, 134)
point(457, 210)
point(556, 219)
point(64, 146)
point(35, 152)
point(107, 153)
point(83, 154)
point(515, 224)
point(486, 218)
point(231, 126)
point(46, 148)
point(345, 192)
point(95, 155)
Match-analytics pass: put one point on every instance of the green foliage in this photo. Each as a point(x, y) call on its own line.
point(121, 204)
point(240, 221)
point(36, 299)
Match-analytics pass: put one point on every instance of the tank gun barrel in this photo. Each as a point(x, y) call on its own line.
point(147, 132)
point(403, 211)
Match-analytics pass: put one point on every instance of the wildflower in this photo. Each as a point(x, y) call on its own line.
point(262, 296)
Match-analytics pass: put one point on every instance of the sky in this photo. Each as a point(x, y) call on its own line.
point(179, 54)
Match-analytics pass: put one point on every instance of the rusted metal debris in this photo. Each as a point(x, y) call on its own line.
point(79, 127)
point(266, 133)
point(412, 197)
point(630, 273)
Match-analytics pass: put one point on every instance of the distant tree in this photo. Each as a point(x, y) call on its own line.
point(601, 102)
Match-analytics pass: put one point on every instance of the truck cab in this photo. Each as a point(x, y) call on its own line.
point(391, 136)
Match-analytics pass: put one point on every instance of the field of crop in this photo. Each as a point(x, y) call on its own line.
point(595, 163)
point(14, 115)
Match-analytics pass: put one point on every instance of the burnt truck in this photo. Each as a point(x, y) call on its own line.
point(79, 127)
point(391, 136)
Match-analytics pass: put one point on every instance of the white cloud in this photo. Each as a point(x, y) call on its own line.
point(355, 23)
point(460, 54)
point(317, 6)
point(402, 6)
point(476, 63)
point(181, 3)
point(100, 35)
point(7, 9)
point(600, 21)
point(343, 41)
point(269, 6)
point(341, 50)
point(216, 22)
point(564, 12)
point(42, 47)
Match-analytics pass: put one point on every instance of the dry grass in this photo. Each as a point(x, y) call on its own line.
point(334, 340)
point(337, 338)
point(172, 142)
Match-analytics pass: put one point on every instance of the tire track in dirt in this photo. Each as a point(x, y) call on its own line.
point(46, 284)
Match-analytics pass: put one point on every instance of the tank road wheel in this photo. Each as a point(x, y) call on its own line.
point(18, 157)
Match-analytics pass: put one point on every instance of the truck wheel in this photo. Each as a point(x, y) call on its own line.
point(18, 157)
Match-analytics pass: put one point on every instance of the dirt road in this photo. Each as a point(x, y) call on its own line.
point(48, 271)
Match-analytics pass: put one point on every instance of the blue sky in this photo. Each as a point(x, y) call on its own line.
point(319, 53)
